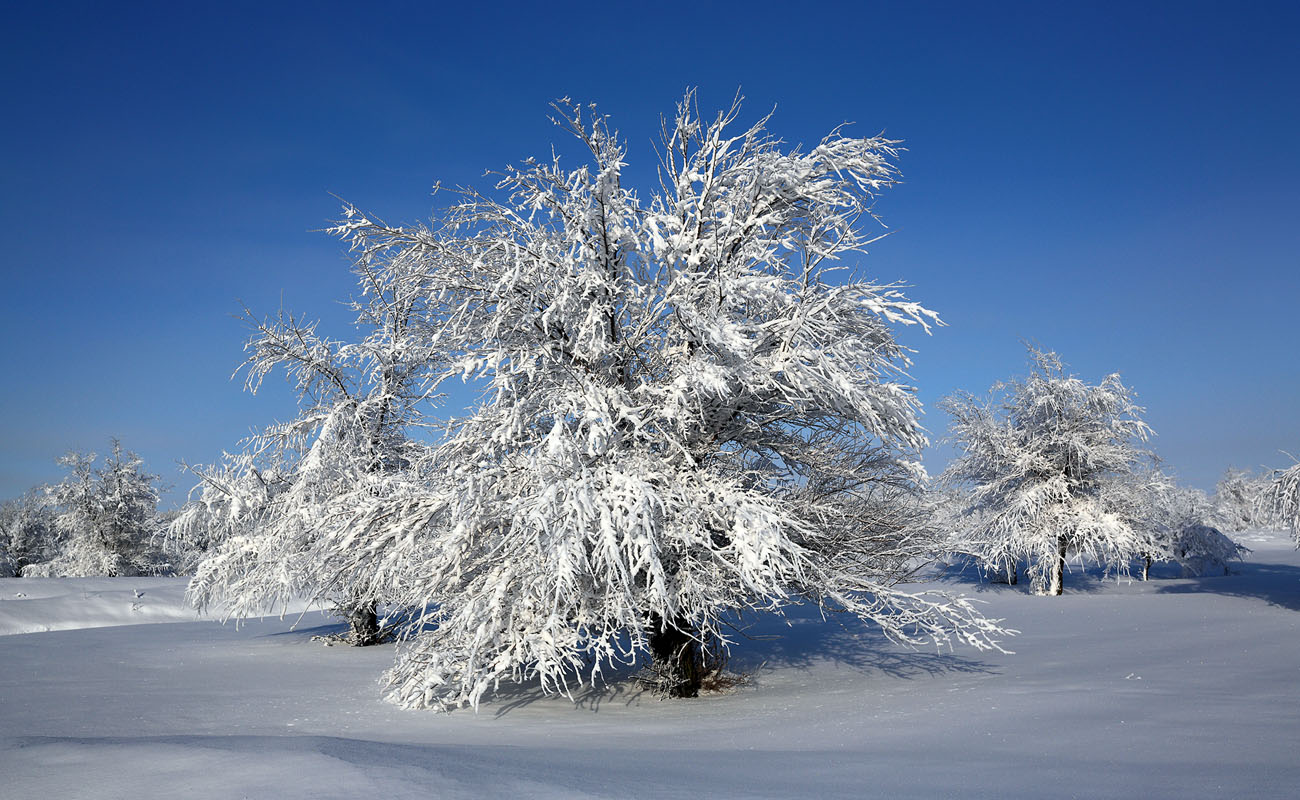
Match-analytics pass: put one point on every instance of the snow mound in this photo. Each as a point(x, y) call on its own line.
point(33, 605)
point(36, 605)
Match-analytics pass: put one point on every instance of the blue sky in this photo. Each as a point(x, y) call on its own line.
point(1117, 182)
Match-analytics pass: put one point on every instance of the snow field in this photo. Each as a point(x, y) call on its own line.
point(36, 605)
point(1170, 688)
point(33, 605)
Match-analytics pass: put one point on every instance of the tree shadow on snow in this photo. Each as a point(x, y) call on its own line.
point(458, 769)
point(799, 640)
point(1079, 578)
point(323, 630)
point(329, 626)
point(802, 638)
point(1275, 584)
point(616, 686)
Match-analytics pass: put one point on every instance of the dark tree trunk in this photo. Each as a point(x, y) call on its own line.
point(1058, 568)
point(363, 625)
point(1146, 567)
point(677, 657)
point(1011, 573)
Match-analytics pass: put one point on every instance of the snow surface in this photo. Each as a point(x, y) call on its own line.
point(1170, 688)
point(34, 605)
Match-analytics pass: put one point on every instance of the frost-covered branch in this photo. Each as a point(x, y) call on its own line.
point(256, 517)
point(1281, 500)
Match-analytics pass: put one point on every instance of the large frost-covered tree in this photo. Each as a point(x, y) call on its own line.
point(255, 517)
point(1041, 460)
point(694, 406)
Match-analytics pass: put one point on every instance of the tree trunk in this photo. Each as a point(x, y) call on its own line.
point(363, 625)
point(677, 657)
point(1058, 569)
point(1011, 573)
point(1146, 567)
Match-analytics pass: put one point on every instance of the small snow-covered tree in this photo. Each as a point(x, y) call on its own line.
point(254, 517)
point(1237, 505)
point(130, 522)
point(1175, 523)
point(27, 532)
point(107, 517)
point(1280, 502)
point(694, 407)
point(1040, 460)
point(1202, 549)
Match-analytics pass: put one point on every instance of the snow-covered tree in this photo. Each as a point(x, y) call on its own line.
point(694, 407)
point(1176, 524)
point(106, 516)
point(1237, 505)
point(130, 522)
point(254, 517)
point(27, 532)
point(1041, 459)
point(1280, 502)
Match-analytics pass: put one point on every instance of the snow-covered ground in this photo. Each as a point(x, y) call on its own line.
point(35, 605)
point(1170, 688)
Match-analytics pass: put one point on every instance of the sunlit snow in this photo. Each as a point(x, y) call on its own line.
point(1170, 688)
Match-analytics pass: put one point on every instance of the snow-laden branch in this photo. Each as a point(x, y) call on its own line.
point(1281, 500)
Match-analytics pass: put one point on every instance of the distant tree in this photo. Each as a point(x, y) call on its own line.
point(107, 517)
point(1176, 524)
point(1236, 501)
point(1280, 502)
point(1041, 460)
point(693, 408)
point(254, 518)
point(27, 532)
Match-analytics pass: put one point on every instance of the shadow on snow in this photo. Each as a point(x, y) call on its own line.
point(1275, 584)
point(799, 640)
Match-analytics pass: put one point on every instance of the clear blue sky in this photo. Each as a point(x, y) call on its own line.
point(1118, 182)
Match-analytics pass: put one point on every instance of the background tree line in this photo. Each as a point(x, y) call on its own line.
point(102, 519)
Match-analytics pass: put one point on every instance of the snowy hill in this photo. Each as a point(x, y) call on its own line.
point(1170, 688)
point(36, 605)
point(32, 605)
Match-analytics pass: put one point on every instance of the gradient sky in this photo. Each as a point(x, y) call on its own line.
point(1117, 182)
